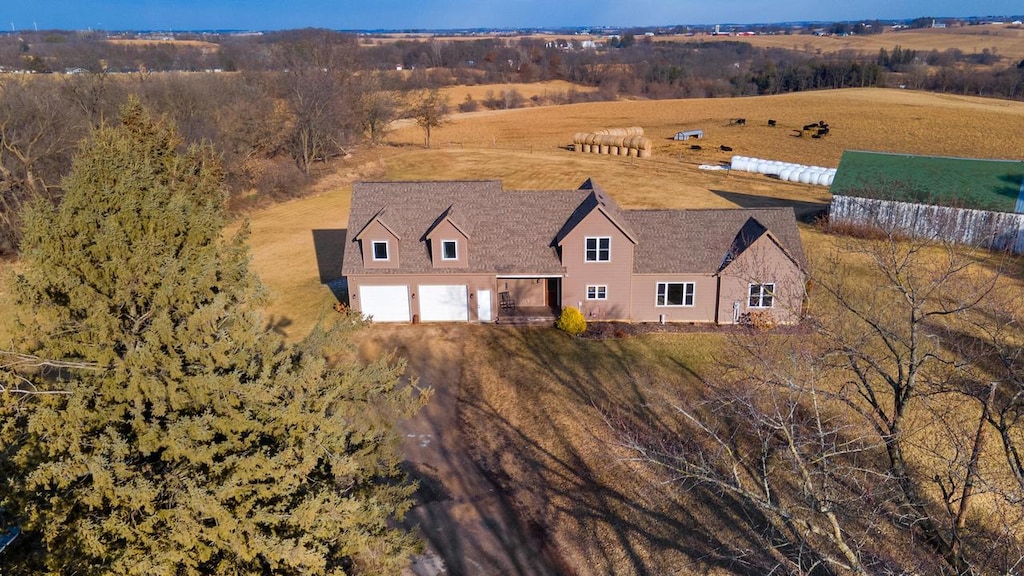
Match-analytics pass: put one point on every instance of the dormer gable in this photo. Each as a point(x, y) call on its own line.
point(379, 244)
point(448, 241)
point(598, 204)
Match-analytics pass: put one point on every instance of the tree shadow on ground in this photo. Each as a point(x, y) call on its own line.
point(805, 211)
point(546, 464)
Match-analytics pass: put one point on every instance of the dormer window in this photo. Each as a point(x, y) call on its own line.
point(449, 250)
point(598, 249)
point(380, 250)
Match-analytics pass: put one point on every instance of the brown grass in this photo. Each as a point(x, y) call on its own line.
point(1003, 39)
point(524, 148)
point(457, 94)
point(211, 46)
point(999, 39)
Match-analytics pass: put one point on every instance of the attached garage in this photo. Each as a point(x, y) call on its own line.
point(385, 303)
point(444, 303)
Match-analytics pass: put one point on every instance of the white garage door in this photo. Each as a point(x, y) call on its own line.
point(443, 303)
point(385, 303)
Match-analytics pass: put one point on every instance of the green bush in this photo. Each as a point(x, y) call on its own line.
point(571, 321)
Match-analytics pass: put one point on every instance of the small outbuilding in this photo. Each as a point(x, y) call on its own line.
point(687, 134)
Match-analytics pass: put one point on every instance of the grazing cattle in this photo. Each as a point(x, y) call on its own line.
point(771, 123)
point(741, 121)
point(725, 148)
point(694, 147)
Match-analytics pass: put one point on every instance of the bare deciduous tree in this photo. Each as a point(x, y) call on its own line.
point(871, 427)
point(430, 110)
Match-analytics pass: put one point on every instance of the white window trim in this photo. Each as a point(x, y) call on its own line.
point(454, 243)
point(761, 295)
point(599, 289)
point(693, 295)
point(587, 239)
point(373, 250)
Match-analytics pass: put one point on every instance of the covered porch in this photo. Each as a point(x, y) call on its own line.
point(533, 300)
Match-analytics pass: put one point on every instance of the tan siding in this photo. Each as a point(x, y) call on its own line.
point(645, 308)
point(525, 291)
point(376, 232)
point(615, 274)
point(473, 282)
point(446, 231)
point(763, 262)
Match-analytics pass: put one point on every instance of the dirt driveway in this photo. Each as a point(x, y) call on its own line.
point(468, 525)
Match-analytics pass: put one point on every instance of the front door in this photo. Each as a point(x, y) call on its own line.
point(483, 306)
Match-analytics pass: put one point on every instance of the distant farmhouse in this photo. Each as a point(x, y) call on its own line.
point(471, 251)
point(963, 200)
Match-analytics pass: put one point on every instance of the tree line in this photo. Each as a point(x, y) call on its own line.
point(288, 100)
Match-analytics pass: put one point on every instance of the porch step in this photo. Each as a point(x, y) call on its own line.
point(525, 321)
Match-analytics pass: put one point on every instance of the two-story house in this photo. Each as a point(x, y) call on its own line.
point(462, 251)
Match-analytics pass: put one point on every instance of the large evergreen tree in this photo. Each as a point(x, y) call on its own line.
point(194, 441)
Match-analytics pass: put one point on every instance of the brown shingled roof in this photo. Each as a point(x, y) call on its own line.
point(517, 231)
point(512, 231)
point(699, 241)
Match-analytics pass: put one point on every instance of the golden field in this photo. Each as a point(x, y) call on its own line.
point(1002, 39)
point(526, 149)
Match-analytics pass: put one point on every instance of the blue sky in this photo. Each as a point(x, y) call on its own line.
point(437, 14)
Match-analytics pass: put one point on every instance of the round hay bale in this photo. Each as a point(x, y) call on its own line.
point(645, 153)
point(601, 132)
point(645, 144)
point(635, 131)
point(632, 152)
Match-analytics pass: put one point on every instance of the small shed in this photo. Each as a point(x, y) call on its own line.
point(687, 134)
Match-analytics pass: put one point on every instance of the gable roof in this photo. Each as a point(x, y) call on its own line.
point(446, 216)
point(996, 185)
point(517, 231)
point(512, 231)
point(701, 241)
point(597, 201)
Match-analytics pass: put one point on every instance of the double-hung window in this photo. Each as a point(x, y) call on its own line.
point(598, 249)
point(597, 292)
point(761, 295)
point(675, 294)
point(380, 249)
point(449, 250)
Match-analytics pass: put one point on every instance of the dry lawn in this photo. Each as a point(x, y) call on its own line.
point(525, 149)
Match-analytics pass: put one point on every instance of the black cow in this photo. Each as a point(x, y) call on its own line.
point(771, 123)
point(741, 121)
point(694, 147)
point(725, 148)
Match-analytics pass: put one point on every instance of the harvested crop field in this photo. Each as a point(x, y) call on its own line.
point(526, 150)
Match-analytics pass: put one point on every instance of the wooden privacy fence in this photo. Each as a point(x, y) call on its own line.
point(992, 230)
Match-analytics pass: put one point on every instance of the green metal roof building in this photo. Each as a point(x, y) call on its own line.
point(994, 185)
point(964, 200)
